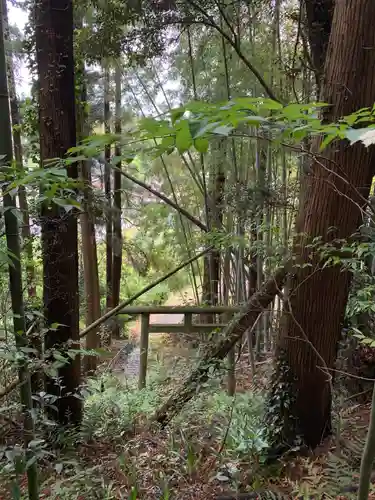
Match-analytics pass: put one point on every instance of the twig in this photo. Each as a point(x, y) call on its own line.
point(208, 20)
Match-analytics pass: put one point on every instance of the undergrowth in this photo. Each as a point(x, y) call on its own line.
point(113, 440)
point(112, 408)
point(217, 442)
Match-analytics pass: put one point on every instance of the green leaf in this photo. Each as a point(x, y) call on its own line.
point(127, 157)
point(167, 142)
point(359, 336)
point(326, 141)
point(67, 204)
point(176, 114)
point(222, 130)
point(60, 357)
point(183, 137)
point(35, 443)
point(367, 340)
point(201, 145)
point(255, 120)
point(75, 159)
point(54, 326)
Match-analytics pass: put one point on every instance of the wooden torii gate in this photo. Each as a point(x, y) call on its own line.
point(187, 326)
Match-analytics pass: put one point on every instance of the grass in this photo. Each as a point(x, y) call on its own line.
point(179, 458)
point(118, 452)
point(216, 444)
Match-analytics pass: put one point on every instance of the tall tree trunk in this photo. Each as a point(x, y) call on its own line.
point(54, 49)
point(319, 14)
point(108, 194)
point(117, 232)
point(317, 295)
point(261, 168)
point(35, 339)
point(89, 250)
point(252, 264)
point(17, 146)
point(90, 267)
point(15, 269)
point(212, 263)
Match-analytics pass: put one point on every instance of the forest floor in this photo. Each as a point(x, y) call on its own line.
point(332, 468)
point(190, 459)
point(149, 457)
point(185, 462)
point(326, 473)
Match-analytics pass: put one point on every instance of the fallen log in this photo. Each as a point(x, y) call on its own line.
point(217, 352)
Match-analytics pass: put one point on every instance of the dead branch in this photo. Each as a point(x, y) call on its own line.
point(217, 352)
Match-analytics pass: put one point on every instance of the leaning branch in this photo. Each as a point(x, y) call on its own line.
point(15, 383)
point(117, 309)
point(9, 388)
point(214, 354)
point(166, 200)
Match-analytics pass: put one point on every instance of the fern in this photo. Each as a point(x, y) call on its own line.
point(340, 472)
point(337, 475)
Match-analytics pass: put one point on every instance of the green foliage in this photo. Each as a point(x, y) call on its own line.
point(180, 127)
point(29, 129)
point(112, 409)
point(133, 279)
point(247, 434)
point(111, 413)
point(78, 482)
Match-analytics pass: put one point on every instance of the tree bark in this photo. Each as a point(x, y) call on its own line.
point(108, 194)
point(368, 455)
point(15, 269)
point(90, 268)
point(319, 14)
point(212, 263)
point(117, 232)
point(217, 352)
point(17, 146)
point(54, 50)
point(89, 250)
point(317, 295)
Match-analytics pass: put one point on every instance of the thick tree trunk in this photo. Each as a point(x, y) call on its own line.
point(117, 232)
point(54, 49)
point(317, 295)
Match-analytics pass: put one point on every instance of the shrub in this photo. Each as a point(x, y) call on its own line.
point(112, 408)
